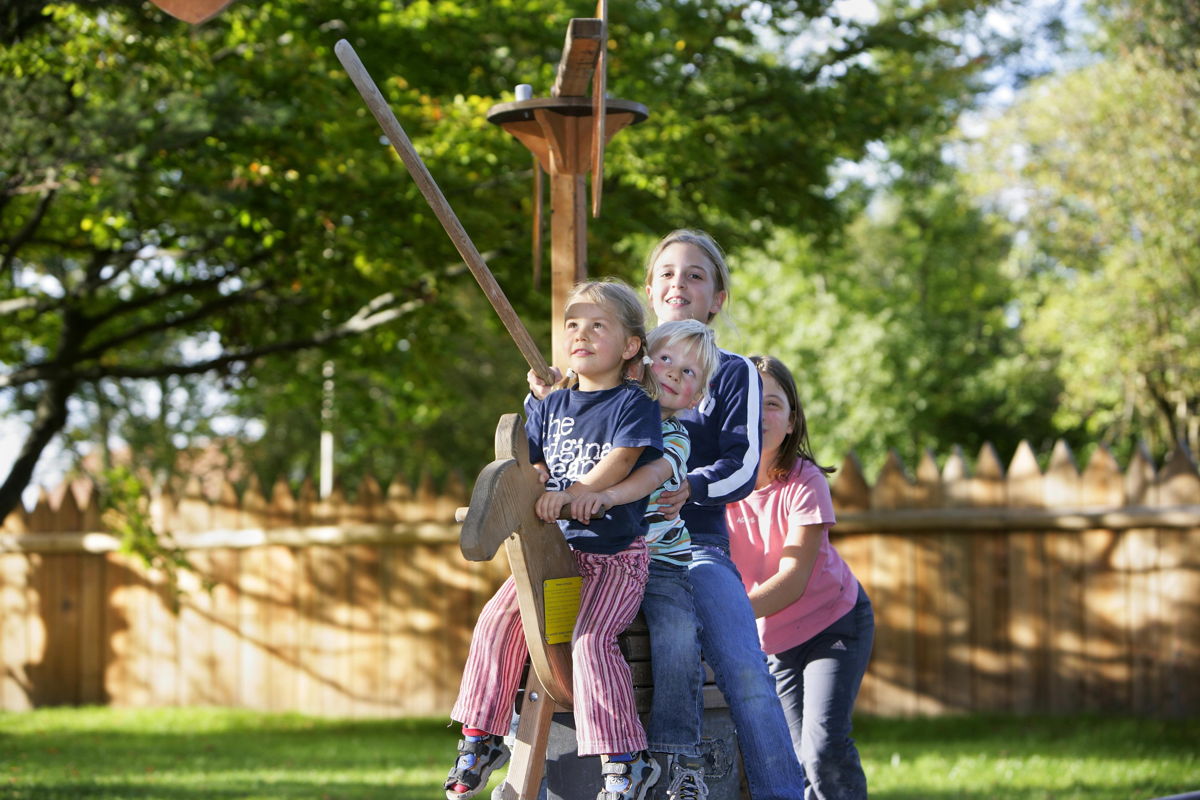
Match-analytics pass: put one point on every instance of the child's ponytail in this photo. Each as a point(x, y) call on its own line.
point(638, 370)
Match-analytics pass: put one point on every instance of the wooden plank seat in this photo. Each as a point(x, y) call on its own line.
point(635, 646)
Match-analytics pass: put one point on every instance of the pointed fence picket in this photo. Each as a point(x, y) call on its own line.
point(995, 589)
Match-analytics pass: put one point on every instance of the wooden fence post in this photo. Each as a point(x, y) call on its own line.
point(1064, 607)
point(1179, 484)
point(989, 577)
point(1028, 576)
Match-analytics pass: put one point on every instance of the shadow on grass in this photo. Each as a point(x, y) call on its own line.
point(208, 754)
point(265, 756)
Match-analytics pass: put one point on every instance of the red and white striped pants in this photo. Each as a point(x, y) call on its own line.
point(606, 718)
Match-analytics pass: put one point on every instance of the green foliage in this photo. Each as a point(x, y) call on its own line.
point(898, 337)
point(1103, 166)
point(179, 202)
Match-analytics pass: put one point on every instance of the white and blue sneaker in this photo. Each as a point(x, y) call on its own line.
point(629, 780)
point(478, 758)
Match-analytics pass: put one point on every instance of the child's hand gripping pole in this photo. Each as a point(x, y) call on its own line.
point(437, 201)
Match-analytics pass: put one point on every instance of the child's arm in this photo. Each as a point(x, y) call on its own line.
point(608, 471)
point(539, 388)
point(641, 483)
point(669, 471)
point(795, 568)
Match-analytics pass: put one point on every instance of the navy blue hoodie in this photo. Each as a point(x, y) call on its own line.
point(726, 433)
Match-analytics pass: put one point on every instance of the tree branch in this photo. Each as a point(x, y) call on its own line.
point(51, 415)
point(30, 227)
point(42, 305)
point(1163, 404)
point(50, 418)
point(225, 301)
point(165, 293)
point(364, 319)
point(15, 304)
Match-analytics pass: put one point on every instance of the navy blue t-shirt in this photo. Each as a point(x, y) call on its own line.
point(571, 430)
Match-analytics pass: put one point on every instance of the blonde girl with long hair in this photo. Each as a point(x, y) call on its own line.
point(584, 437)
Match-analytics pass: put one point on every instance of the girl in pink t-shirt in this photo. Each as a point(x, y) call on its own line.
point(814, 618)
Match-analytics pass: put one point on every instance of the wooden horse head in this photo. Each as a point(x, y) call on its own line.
point(501, 511)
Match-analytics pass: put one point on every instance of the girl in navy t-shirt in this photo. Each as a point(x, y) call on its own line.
point(585, 437)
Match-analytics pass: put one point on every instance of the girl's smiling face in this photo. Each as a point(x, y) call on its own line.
point(597, 345)
point(682, 285)
point(678, 372)
point(776, 416)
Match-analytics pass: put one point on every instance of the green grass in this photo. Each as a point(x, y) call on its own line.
point(211, 754)
point(982, 757)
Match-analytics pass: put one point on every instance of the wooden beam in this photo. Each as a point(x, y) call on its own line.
point(969, 520)
point(440, 206)
point(585, 37)
point(528, 765)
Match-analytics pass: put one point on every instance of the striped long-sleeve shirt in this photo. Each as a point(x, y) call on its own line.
point(668, 539)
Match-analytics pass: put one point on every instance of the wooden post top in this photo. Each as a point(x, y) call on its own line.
point(567, 134)
point(559, 130)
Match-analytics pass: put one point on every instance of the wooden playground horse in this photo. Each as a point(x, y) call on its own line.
point(502, 513)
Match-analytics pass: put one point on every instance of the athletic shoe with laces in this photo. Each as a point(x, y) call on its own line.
point(629, 780)
point(477, 760)
point(687, 781)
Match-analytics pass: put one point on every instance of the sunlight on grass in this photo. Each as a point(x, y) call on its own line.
point(215, 754)
point(1031, 758)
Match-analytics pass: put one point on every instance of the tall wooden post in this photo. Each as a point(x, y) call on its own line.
point(559, 131)
point(568, 249)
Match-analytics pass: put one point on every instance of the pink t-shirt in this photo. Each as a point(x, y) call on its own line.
point(758, 528)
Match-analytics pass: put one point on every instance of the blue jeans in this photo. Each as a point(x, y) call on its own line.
point(677, 706)
point(818, 682)
point(729, 638)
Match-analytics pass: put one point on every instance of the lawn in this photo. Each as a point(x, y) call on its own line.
point(210, 754)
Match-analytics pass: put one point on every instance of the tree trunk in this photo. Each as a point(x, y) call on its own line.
point(51, 418)
point(1163, 404)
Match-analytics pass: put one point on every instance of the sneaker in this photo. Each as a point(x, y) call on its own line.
point(687, 781)
point(629, 780)
point(477, 760)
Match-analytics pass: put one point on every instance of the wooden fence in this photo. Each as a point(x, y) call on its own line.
point(1015, 590)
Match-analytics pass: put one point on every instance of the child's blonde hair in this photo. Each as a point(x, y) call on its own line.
point(707, 245)
point(624, 303)
point(697, 338)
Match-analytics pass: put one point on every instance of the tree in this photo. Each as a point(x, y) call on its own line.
point(1103, 164)
point(179, 202)
point(898, 337)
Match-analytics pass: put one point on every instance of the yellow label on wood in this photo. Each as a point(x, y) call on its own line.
point(561, 596)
